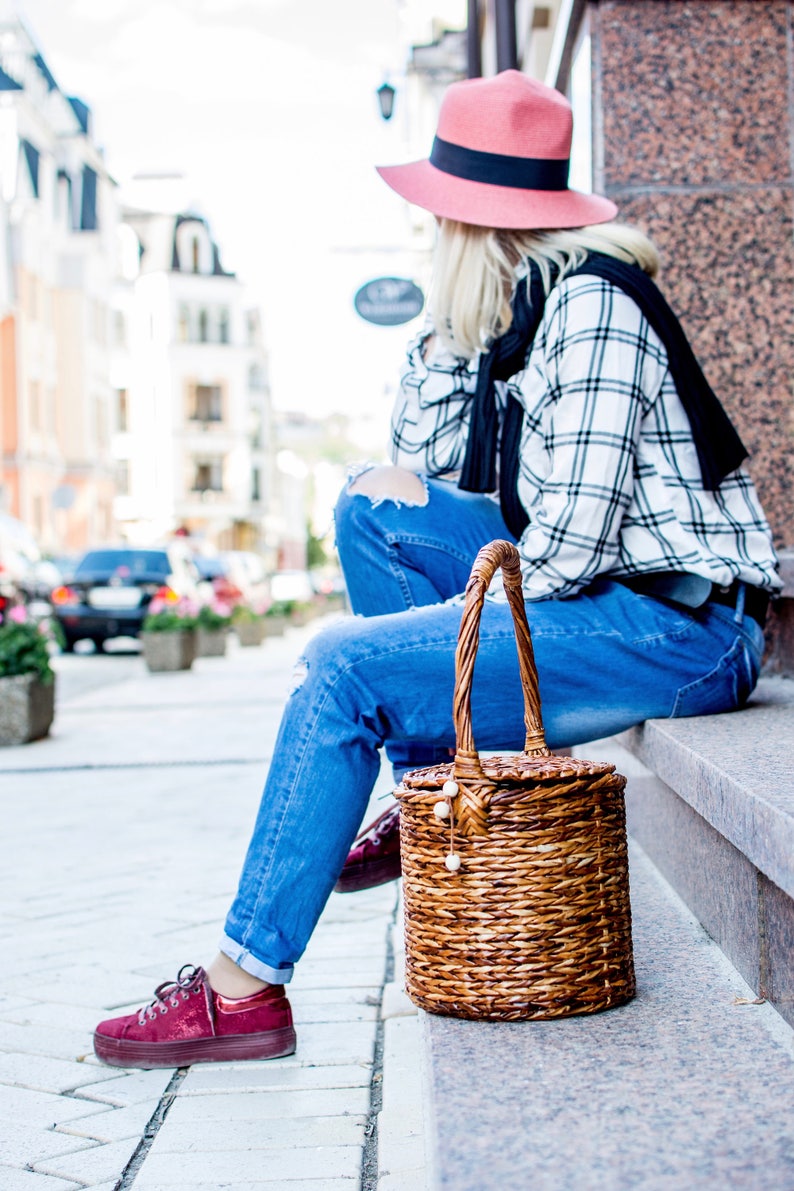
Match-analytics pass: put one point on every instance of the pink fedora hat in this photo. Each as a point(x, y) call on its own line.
point(500, 159)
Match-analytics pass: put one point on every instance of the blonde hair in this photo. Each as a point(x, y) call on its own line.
point(474, 272)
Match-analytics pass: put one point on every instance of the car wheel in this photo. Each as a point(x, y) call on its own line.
point(67, 644)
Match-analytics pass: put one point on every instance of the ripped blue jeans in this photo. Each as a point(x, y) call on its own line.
point(607, 658)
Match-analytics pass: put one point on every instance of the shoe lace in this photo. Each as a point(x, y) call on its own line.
point(189, 979)
point(381, 827)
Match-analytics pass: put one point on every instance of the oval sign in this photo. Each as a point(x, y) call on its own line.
point(389, 301)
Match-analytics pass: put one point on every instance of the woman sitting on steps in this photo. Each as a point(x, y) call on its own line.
point(553, 401)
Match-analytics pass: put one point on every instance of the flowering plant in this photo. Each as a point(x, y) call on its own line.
point(214, 616)
point(23, 647)
point(245, 614)
point(170, 616)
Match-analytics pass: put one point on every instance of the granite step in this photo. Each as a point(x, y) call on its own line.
point(711, 800)
point(689, 1085)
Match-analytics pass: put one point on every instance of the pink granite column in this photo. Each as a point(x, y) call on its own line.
point(694, 119)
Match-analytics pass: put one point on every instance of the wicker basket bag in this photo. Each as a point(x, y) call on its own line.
point(515, 868)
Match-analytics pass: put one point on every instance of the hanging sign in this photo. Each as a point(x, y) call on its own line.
point(389, 301)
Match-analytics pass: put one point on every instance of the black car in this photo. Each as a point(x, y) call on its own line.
point(108, 592)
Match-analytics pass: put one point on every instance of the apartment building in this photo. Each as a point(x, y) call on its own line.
point(58, 219)
point(194, 440)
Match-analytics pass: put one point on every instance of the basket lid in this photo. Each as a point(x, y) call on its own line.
point(507, 768)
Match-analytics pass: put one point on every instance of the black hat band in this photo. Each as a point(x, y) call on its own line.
point(498, 169)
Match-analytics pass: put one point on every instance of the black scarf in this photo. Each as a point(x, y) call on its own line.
point(719, 448)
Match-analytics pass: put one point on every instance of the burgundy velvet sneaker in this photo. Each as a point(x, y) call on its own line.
point(374, 858)
point(189, 1023)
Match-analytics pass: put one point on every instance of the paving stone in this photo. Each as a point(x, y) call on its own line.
point(25, 1145)
point(321, 1162)
point(401, 1131)
point(347, 1042)
point(253, 1106)
point(251, 1184)
point(324, 1012)
point(48, 1075)
point(278, 1134)
point(111, 1124)
point(97, 1165)
point(132, 1087)
point(41, 1040)
point(11, 1005)
point(44, 1013)
point(28, 1180)
point(406, 1180)
point(321, 973)
point(92, 986)
point(362, 995)
point(43, 1109)
point(396, 1002)
point(272, 1076)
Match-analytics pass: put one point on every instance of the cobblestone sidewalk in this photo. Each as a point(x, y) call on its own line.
point(122, 839)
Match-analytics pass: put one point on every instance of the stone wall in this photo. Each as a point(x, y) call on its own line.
point(694, 127)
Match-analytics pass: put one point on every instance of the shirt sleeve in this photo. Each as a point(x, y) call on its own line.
point(589, 378)
point(431, 413)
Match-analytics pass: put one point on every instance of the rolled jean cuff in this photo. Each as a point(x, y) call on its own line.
point(249, 963)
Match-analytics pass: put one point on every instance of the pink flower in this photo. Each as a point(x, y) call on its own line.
point(18, 614)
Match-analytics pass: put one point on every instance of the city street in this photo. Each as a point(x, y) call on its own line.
point(122, 839)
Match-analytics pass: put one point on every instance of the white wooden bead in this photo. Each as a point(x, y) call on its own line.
point(450, 789)
point(452, 862)
point(441, 810)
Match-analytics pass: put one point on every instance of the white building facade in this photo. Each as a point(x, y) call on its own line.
point(194, 441)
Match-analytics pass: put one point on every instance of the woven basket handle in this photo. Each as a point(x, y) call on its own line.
point(471, 803)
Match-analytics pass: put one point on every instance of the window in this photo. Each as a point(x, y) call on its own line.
point(207, 404)
point(123, 477)
point(208, 476)
point(256, 485)
point(122, 410)
point(223, 326)
point(99, 322)
point(119, 328)
point(195, 254)
point(101, 422)
point(34, 393)
point(183, 326)
point(38, 515)
point(257, 378)
point(203, 327)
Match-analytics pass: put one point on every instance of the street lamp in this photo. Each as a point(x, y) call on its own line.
point(386, 95)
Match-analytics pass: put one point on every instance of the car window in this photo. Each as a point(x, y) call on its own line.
point(132, 562)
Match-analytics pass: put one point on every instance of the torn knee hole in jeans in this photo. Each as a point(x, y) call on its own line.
point(380, 484)
point(299, 675)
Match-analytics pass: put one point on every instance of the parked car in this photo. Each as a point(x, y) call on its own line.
point(109, 591)
point(236, 576)
point(291, 585)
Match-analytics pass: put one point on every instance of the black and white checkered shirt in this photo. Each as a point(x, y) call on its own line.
point(609, 474)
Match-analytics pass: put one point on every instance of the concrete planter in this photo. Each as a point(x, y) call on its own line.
point(210, 643)
point(27, 708)
point(169, 651)
point(274, 626)
point(250, 632)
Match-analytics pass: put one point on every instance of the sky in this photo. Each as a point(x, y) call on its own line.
point(268, 110)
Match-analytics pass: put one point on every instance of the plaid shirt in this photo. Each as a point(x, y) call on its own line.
point(609, 474)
